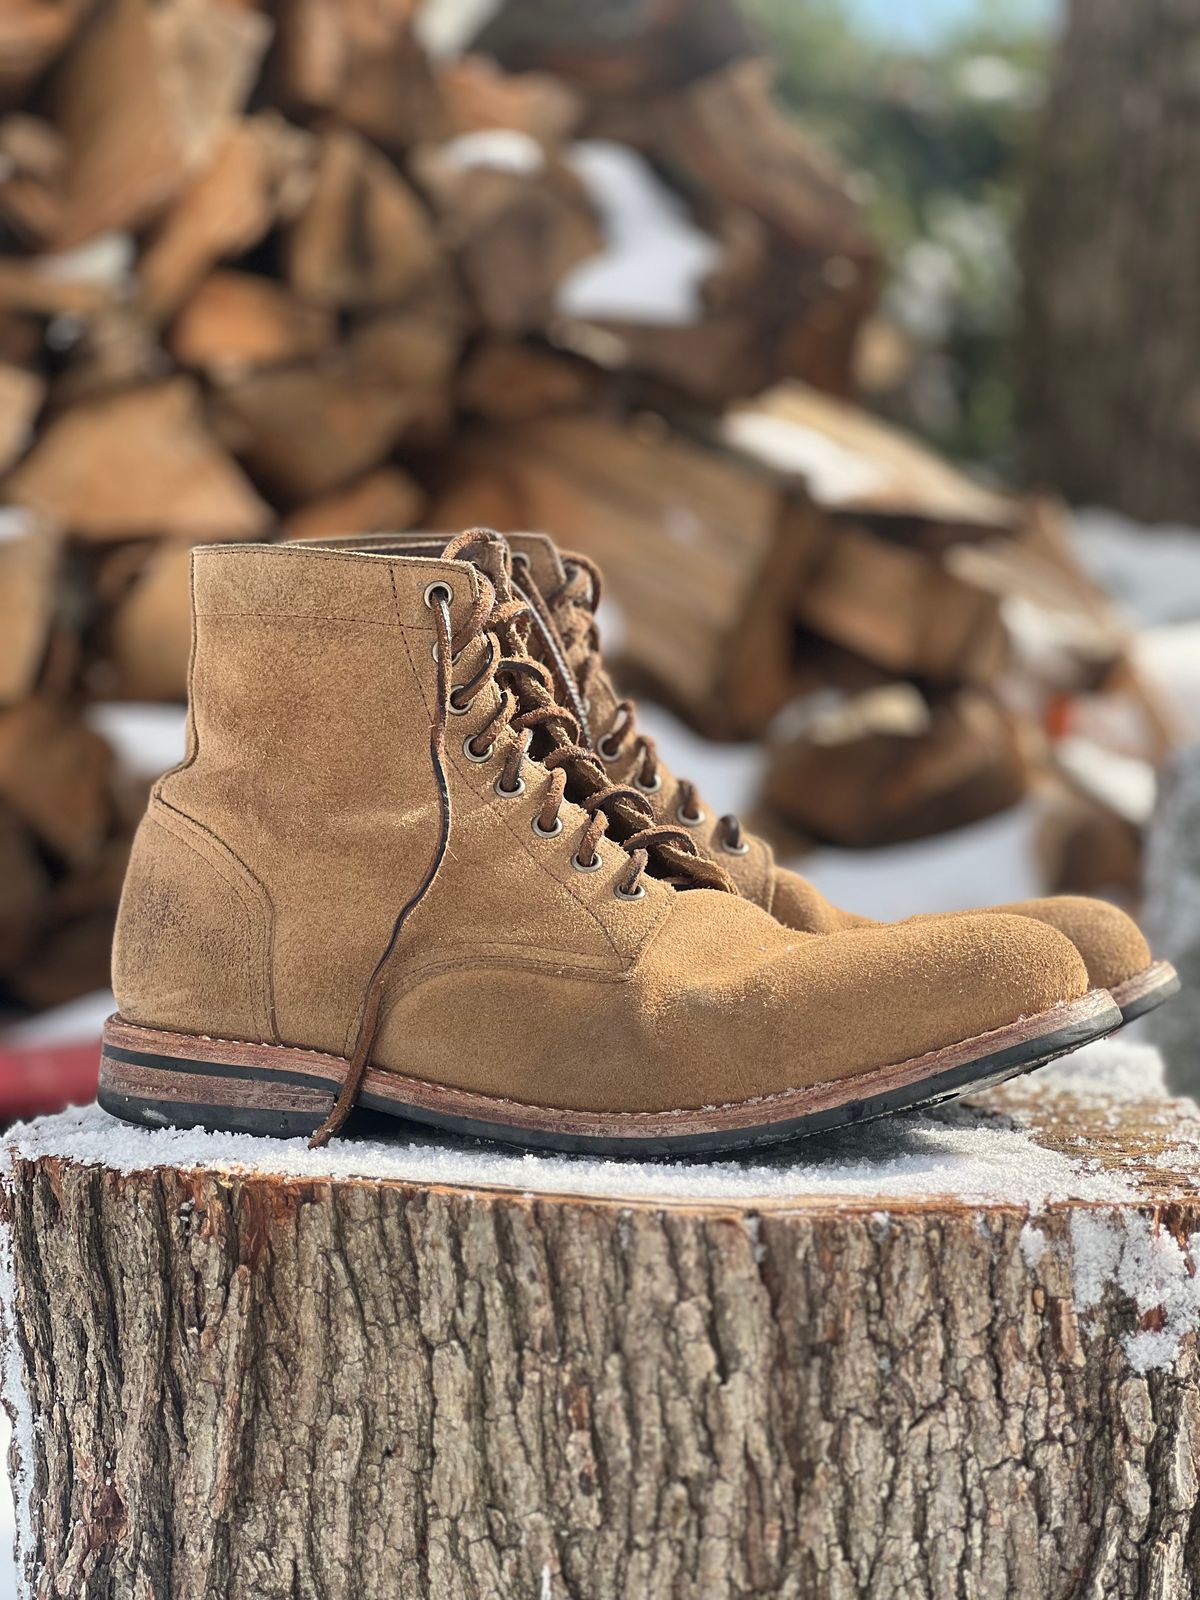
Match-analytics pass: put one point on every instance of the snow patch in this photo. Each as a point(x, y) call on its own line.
point(960, 1153)
point(1034, 1245)
point(1147, 1265)
point(655, 257)
point(16, 1516)
point(505, 149)
point(835, 474)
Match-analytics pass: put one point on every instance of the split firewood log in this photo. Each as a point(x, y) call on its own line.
point(21, 396)
point(415, 344)
point(239, 320)
point(208, 57)
point(480, 97)
point(24, 890)
point(32, 34)
point(692, 543)
point(136, 463)
point(360, 60)
point(33, 164)
point(148, 633)
point(379, 502)
point(891, 765)
point(305, 431)
point(516, 220)
point(960, 1348)
point(55, 775)
point(644, 45)
point(364, 239)
point(29, 576)
point(124, 155)
point(510, 381)
point(223, 211)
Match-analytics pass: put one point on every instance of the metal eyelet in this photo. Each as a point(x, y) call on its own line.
point(509, 794)
point(454, 659)
point(547, 833)
point(742, 849)
point(629, 894)
point(649, 788)
point(605, 751)
point(690, 819)
point(473, 755)
point(459, 711)
point(433, 589)
point(593, 865)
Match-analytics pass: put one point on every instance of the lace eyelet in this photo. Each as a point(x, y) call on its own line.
point(547, 833)
point(432, 590)
point(629, 894)
point(454, 659)
point(459, 711)
point(649, 788)
point(474, 755)
point(690, 819)
point(593, 865)
point(509, 794)
point(605, 750)
point(742, 849)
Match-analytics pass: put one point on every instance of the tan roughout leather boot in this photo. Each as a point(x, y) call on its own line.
point(361, 887)
point(563, 591)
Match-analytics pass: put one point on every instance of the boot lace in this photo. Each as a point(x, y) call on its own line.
point(570, 635)
point(528, 707)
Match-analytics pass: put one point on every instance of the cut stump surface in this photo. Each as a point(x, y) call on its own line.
point(949, 1355)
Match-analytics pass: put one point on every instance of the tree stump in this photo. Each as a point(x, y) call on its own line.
point(950, 1355)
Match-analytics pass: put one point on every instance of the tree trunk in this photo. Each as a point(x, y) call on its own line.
point(1112, 262)
point(813, 1377)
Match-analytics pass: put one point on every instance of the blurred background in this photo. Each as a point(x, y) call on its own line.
point(858, 344)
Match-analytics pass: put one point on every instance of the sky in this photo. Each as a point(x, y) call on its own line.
point(921, 22)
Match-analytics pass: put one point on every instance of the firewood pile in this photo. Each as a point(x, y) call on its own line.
point(322, 266)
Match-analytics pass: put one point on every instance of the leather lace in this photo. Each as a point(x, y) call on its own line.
point(527, 706)
point(566, 622)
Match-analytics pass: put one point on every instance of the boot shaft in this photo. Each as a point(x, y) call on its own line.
point(268, 873)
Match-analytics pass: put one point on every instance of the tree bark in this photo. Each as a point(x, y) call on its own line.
point(1111, 251)
point(235, 1384)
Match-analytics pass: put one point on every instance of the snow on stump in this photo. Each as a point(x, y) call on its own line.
point(1172, 914)
point(951, 1355)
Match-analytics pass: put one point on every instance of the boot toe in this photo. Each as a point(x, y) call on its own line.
point(1111, 944)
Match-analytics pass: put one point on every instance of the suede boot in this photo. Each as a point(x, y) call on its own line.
point(360, 886)
point(563, 591)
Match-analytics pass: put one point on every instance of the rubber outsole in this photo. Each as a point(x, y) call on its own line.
point(159, 1079)
point(1146, 990)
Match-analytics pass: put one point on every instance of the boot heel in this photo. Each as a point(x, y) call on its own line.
point(159, 1080)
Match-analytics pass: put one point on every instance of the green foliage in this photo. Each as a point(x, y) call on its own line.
point(938, 140)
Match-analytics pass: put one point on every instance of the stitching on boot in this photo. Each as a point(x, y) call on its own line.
point(236, 875)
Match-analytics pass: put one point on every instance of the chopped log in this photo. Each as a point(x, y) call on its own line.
point(955, 1351)
point(606, 52)
point(516, 221)
point(21, 396)
point(138, 463)
point(364, 239)
point(692, 542)
point(33, 163)
point(360, 60)
point(305, 431)
point(149, 632)
point(382, 501)
point(853, 463)
point(238, 320)
point(480, 97)
point(509, 381)
point(29, 573)
point(889, 766)
point(208, 58)
point(26, 891)
point(417, 343)
point(32, 34)
point(225, 210)
point(124, 156)
point(54, 776)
